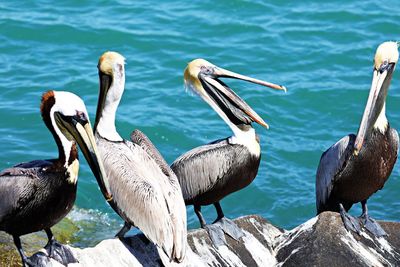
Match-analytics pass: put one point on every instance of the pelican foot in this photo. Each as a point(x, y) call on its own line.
point(216, 234)
point(350, 223)
point(372, 226)
point(59, 252)
point(49, 246)
point(230, 228)
point(39, 259)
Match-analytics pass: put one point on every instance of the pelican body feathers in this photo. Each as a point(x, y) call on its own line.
point(210, 172)
point(145, 192)
point(38, 194)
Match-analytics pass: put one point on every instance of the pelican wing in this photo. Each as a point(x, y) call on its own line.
point(331, 164)
point(201, 168)
point(141, 191)
point(139, 138)
point(395, 135)
point(17, 186)
point(173, 190)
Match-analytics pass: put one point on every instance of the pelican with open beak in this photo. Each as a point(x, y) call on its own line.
point(38, 194)
point(359, 165)
point(210, 172)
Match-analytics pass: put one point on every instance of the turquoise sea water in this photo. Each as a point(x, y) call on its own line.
point(321, 51)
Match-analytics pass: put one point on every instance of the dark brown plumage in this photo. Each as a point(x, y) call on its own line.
point(38, 194)
point(357, 166)
point(363, 175)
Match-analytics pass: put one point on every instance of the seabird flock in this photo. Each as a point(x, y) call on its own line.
point(151, 195)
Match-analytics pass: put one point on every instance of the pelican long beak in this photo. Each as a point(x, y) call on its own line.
point(105, 83)
point(376, 100)
point(223, 73)
point(79, 127)
point(216, 85)
point(233, 102)
point(88, 146)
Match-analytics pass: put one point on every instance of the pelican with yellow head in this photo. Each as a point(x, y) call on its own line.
point(144, 190)
point(210, 172)
point(357, 166)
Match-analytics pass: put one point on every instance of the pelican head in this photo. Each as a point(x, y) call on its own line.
point(202, 77)
point(385, 61)
point(65, 115)
point(112, 82)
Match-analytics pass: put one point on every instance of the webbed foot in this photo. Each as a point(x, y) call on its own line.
point(59, 252)
point(350, 223)
point(372, 226)
point(39, 259)
point(216, 234)
point(230, 228)
point(49, 247)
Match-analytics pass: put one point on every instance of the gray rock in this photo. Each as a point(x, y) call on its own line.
point(321, 241)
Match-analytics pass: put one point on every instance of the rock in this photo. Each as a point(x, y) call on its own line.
point(254, 249)
point(321, 241)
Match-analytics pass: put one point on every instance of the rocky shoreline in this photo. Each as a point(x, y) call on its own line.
point(321, 241)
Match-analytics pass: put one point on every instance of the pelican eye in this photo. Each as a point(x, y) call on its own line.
point(384, 66)
point(207, 70)
point(81, 117)
point(120, 68)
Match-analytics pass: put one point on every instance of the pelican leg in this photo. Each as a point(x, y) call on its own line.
point(227, 225)
point(220, 213)
point(214, 231)
point(123, 231)
point(55, 250)
point(370, 224)
point(50, 242)
point(197, 210)
point(350, 223)
point(25, 260)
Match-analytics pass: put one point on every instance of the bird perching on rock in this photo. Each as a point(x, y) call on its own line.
point(145, 192)
point(210, 172)
point(38, 194)
point(357, 166)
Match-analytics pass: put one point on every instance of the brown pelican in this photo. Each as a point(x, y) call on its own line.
point(145, 191)
point(355, 167)
point(38, 194)
point(210, 172)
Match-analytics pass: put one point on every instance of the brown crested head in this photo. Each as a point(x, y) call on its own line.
point(48, 101)
point(46, 104)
